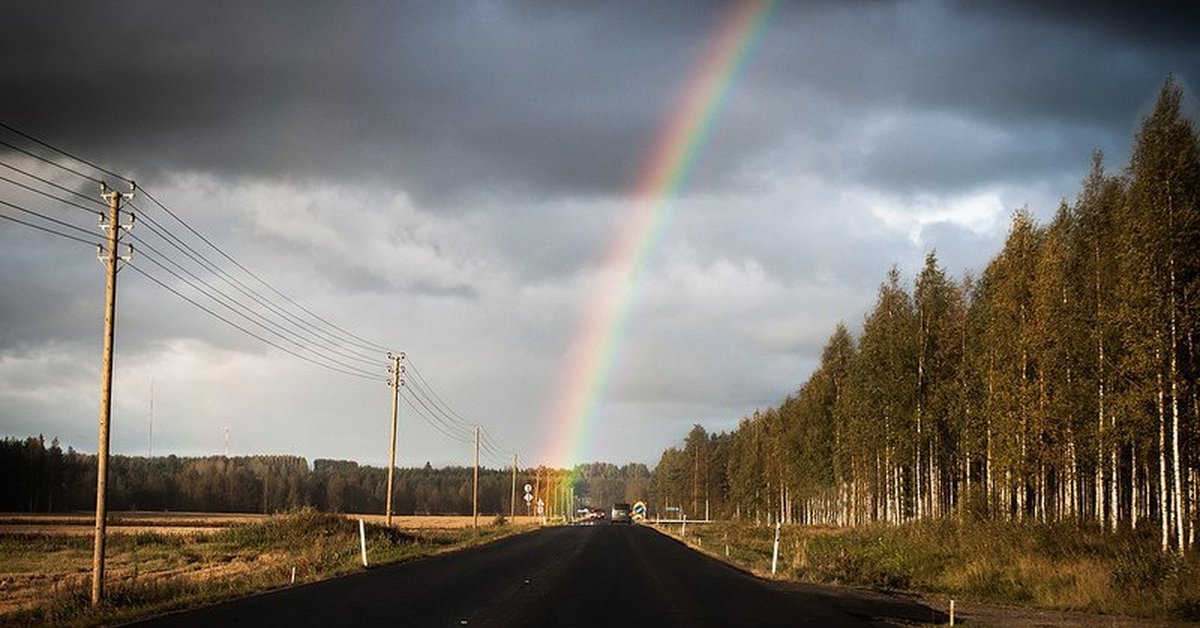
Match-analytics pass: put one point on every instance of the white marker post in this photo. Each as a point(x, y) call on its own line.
point(683, 528)
point(362, 540)
point(775, 554)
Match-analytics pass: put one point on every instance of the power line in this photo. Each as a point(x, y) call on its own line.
point(321, 336)
point(66, 154)
point(45, 217)
point(49, 195)
point(53, 184)
point(448, 413)
point(208, 294)
point(363, 342)
point(417, 372)
point(49, 230)
point(424, 394)
point(425, 413)
point(244, 330)
point(51, 162)
point(250, 310)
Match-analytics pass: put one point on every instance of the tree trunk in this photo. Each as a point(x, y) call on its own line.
point(1180, 516)
point(1134, 513)
point(1164, 505)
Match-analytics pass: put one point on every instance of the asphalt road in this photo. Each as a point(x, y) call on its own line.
point(606, 575)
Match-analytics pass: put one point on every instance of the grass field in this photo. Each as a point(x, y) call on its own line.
point(1063, 567)
point(161, 562)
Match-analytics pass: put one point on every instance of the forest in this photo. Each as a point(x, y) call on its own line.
point(1058, 385)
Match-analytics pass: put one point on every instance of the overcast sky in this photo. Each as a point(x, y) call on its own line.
point(446, 177)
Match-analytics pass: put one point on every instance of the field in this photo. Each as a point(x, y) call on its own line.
point(163, 561)
point(194, 522)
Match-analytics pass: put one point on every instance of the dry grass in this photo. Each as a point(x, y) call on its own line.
point(83, 524)
point(1060, 567)
point(45, 574)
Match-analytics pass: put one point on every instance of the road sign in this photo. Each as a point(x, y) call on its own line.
point(528, 498)
point(639, 510)
point(541, 503)
point(528, 488)
point(541, 508)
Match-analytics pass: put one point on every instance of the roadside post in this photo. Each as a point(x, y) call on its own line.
point(775, 553)
point(362, 540)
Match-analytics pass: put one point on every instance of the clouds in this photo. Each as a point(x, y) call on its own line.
point(447, 177)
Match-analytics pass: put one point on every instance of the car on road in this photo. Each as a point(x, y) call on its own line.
point(622, 513)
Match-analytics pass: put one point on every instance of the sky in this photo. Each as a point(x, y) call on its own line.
point(446, 178)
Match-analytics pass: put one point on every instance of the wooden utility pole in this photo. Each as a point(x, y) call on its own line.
point(475, 499)
point(512, 504)
point(397, 371)
point(111, 259)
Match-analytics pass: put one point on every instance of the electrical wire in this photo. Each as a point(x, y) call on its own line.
point(45, 217)
point(53, 184)
point(48, 230)
point(65, 154)
point(50, 196)
point(51, 162)
point(346, 367)
point(363, 342)
point(250, 310)
point(320, 336)
point(179, 294)
point(417, 372)
point(422, 411)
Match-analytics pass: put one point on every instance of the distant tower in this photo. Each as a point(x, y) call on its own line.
point(150, 447)
point(226, 440)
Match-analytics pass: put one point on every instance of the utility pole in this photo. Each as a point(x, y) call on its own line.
point(111, 258)
point(397, 380)
point(150, 447)
point(512, 504)
point(475, 499)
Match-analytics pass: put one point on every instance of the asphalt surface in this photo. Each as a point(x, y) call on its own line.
point(605, 575)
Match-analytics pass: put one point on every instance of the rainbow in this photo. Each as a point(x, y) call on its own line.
point(667, 168)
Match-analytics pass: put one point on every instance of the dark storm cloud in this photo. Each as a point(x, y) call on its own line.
point(559, 98)
point(434, 96)
point(1054, 89)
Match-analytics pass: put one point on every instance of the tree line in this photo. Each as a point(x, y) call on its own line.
point(42, 477)
point(1060, 384)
